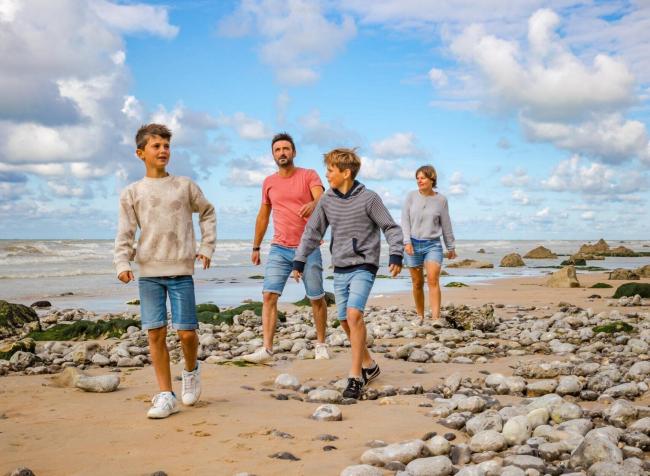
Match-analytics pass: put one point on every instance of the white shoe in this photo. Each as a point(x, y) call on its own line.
point(191, 386)
point(321, 352)
point(260, 356)
point(163, 404)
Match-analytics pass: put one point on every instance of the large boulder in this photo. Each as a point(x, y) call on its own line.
point(465, 318)
point(512, 260)
point(14, 316)
point(470, 263)
point(623, 274)
point(621, 251)
point(632, 289)
point(540, 253)
point(563, 278)
point(643, 271)
point(600, 247)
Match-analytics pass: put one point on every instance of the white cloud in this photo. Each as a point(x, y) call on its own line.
point(457, 184)
point(249, 172)
point(520, 197)
point(68, 190)
point(135, 18)
point(400, 144)
point(297, 35)
point(327, 134)
point(247, 127)
point(574, 103)
point(590, 178)
point(383, 169)
point(588, 215)
point(517, 179)
point(437, 77)
point(543, 213)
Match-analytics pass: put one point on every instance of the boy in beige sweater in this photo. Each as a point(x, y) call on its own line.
point(161, 205)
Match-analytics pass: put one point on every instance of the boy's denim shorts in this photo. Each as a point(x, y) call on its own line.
point(423, 250)
point(153, 302)
point(279, 267)
point(352, 290)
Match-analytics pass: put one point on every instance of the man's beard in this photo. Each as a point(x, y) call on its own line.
point(284, 161)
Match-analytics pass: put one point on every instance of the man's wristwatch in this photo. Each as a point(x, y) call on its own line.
point(256, 248)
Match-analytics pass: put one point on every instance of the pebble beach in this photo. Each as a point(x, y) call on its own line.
point(521, 378)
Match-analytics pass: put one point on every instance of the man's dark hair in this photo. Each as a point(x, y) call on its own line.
point(148, 130)
point(283, 136)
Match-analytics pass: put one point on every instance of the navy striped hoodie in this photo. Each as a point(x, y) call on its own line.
point(356, 219)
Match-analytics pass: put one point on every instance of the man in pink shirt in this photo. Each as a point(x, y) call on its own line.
point(290, 194)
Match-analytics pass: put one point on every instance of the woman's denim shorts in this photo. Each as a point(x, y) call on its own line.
point(423, 250)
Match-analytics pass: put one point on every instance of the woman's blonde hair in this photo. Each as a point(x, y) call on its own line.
point(429, 172)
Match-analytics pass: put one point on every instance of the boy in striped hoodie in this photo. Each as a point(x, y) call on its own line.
point(356, 216)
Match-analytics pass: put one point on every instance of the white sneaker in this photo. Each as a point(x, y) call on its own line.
point(260, 356)
point(191, 386)
point(321, 352)
point(163, 404)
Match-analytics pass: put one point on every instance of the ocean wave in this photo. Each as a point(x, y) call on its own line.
point(56, 274)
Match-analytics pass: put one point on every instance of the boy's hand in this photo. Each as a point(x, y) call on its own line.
point(408, 249)
point(451, 254)
point(395, 269)
point(255, 258)
point(307, 209)
point(295, 274)
point(205, 260)
point(126, 276)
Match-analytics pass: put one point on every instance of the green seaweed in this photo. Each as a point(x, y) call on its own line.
point(456, 284)
point(133, 302)
point(601, 285)
point(632, 289)
point(227, 316)
point(613, 327)
point(329, 299)
point(236, 363)
point(574, 262)
point(9, 349)
point(207, 306)
point(256, 276)
point(80, 330)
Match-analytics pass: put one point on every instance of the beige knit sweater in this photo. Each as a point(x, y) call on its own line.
point(162, 208)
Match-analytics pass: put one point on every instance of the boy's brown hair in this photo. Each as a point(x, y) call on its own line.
point(429, 172)
point(148, 130)
point(344, 159)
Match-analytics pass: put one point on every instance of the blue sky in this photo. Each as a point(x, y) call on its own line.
point(535, 114)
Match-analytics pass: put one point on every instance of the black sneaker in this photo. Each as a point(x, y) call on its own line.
point(370, 373)
point(354, 388)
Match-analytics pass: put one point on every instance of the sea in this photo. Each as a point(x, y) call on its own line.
point(80, 274)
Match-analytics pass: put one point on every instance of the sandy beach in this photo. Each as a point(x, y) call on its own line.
point(238, 424)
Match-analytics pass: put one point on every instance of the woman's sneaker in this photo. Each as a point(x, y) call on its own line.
point(321, 351)
point(260, 356)
point(371, 373)
point(191, 386)
point(163, 404)
point(354, 388)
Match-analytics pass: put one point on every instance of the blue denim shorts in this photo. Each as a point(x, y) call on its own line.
point(279, 267)
point(423, 250)
point(352, 290)
point(153, 302)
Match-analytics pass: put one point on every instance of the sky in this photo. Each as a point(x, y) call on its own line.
point(534, 113)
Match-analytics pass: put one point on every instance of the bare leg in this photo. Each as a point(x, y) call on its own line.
point(433, 281)
point(190, 346)
point(319, 309)
point(269, 318)
point(160, 357)
point(357, 332)
point(366, 359)
point(417, 278)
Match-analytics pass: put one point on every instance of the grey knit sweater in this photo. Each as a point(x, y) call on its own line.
point(356, 219)
point(426, 217)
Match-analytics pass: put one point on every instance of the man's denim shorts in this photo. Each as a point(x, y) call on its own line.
point(423, 250)
point(352, 290)
point(153, 302)
point(280, 264)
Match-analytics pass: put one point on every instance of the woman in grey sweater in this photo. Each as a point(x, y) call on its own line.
point(425, 218)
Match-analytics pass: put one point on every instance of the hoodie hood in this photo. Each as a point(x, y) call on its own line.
point(356, 190)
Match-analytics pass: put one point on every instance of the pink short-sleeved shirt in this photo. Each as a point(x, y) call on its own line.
point(287, 195)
